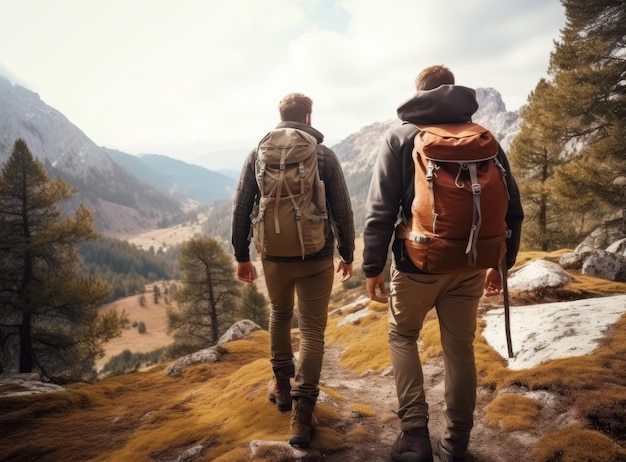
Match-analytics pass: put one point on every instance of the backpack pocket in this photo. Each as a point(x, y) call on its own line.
point(442, 256)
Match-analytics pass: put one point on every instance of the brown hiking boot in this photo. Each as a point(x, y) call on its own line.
point(301, 426)
point(279, 392)
point(412, 446)
point(446, 456)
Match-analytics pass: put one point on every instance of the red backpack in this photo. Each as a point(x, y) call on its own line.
point(461, 199)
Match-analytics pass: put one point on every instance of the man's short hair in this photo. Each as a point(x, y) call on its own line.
point(433, 77)
point(294, 107)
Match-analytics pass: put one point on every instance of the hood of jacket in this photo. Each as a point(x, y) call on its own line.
point(444, 104)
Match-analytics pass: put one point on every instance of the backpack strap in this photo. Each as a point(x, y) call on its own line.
point(279, 190)
point(471, 250)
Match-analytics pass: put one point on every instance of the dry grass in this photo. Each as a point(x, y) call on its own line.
point(512, 412)
point(575, 444)
point(148, 416)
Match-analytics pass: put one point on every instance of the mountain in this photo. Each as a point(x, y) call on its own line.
point(492, 113)
point(136, 193)
point(177, 178)
point(120, 203)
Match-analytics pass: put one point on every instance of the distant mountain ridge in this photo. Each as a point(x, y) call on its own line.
point(129, 193)
point(179, 179)
point(126, 194)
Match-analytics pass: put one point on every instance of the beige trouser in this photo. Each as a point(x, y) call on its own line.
point(455, 297)
point(312, 281)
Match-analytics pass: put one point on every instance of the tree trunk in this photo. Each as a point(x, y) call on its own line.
point(26, 348)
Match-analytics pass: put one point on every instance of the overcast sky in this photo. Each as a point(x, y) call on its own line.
point(187, 78)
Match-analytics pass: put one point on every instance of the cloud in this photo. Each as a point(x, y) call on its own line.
point(188, 77)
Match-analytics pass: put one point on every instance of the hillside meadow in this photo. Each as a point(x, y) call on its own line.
point(222, 407)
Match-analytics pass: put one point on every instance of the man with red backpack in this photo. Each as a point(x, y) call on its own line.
point(438, 262)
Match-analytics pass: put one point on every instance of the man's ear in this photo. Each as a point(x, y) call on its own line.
point(307, 118)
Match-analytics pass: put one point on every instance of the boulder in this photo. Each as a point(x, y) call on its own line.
point(355, 318)
point(618, 247)
point(538, 274)
point(571, 260)
point(208, 355)
point(20, 384)
point(238, 330)
point(607, 265)
point(270, 451)
point(600, 238)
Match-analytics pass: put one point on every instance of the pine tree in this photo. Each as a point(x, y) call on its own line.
point(535, 154)
point(49, 320)
point(207, 296)
point(254, 306)
point(589, 70)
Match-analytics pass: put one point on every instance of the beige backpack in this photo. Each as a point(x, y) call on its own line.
point(290, 218)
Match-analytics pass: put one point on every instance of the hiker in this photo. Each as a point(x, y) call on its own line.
point(287, 264)
point(413, 292)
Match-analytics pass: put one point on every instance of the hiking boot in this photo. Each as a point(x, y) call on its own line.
point(279, 392)
point(301, 425)
point(446, 456)
point(412, 446)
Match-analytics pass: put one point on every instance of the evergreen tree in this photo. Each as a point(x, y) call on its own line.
point(589, 71)
point(254, 306)
point(207, 296)
point(535, 154)
point(48, 315)
point(156, 293)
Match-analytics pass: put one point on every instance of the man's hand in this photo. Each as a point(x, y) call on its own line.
point(345, 269)
point(245, 271)
point(371, 284)
point(493, 283)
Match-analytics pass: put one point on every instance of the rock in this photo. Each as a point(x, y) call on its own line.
point(240, 329)
point(354, 318)
point(553, 330)
point(600, 238)
point(538, 274)
point(208, 355)
point(268, 451)
point(190, 454)
point(607, 265)
point(26, 384)
point(618, 247)
point(571, 260)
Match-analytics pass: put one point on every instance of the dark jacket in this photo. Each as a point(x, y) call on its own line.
point(391, 190)
point(337, 197)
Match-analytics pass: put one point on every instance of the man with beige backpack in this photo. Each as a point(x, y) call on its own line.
point(292, 199)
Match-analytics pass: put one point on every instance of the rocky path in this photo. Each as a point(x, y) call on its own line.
point(380, 431)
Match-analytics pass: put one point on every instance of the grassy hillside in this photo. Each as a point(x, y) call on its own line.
point(220, 408)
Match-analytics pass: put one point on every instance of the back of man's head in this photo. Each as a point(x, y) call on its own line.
point(433, 77)
point(294, 107)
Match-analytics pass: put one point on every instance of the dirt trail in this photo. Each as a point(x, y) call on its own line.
point(486, 445)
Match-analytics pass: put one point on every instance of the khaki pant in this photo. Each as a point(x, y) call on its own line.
point(455, 297)
point(312, 281)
